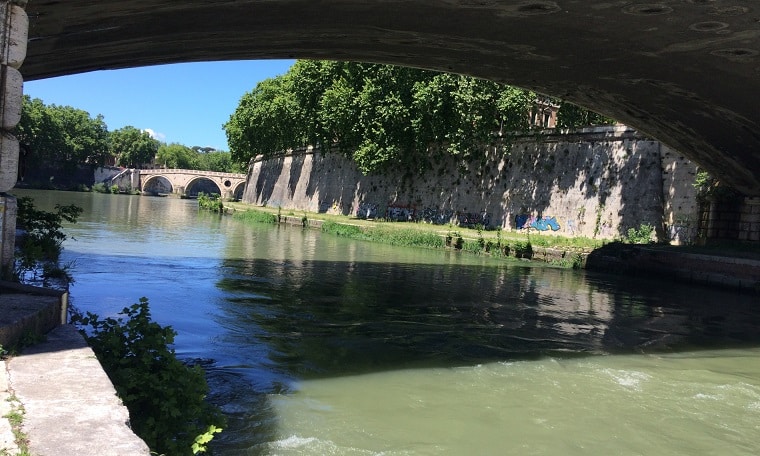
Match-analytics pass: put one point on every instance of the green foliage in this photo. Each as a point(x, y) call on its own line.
point(39, 247)
point(165, 397)
point(176, 156)
point(404, 237)
point(202, 440)
point(100, 187)
point(15, 417)
point(641, 235)
point(573, 116)
point(264, 122)
point(381, 116)
point(709, 187)
point(344, 230)
point(257, 217)
point(61, 134)
point(133, 147)
point(211, 203)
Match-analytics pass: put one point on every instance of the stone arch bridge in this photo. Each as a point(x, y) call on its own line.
point(188, 182)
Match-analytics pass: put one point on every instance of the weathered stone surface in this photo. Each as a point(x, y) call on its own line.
point(9, 149)
point(683, 71)
point(13, 35)
point(596, 184)
point(12, 93)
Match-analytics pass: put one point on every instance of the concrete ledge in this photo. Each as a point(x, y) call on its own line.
point(716, 270)
point(29, 310)
point(71, 407)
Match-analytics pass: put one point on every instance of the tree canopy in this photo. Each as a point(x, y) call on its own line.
point(61, 134)
point(380, 115)
point(133, 147)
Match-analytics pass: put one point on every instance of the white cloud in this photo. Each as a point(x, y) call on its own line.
point(154, 134)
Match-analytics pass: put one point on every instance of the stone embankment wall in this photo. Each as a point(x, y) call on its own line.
point(736, 220)
point(596, 182)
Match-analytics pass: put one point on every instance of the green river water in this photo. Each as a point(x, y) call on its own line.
point(317, 345)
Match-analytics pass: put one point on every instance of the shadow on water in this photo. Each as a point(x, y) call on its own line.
point(325, 319)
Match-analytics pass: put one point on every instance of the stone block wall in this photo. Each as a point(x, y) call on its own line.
point(734, 220)
point(7, 234)
point(681, 209)
point(598, 182)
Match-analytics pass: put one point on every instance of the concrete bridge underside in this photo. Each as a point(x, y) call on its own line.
point(686, 72)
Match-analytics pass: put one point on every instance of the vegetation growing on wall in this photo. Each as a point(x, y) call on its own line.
point(708, 187)
point(380, 115)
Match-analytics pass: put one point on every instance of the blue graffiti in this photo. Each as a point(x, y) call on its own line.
point(545, 223)
point(524, 221)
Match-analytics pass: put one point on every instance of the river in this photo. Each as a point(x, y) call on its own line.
point(318, 345)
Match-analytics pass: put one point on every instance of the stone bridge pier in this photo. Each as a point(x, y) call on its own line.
point(14, 30)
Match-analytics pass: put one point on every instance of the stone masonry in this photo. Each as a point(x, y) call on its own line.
point(597, 182)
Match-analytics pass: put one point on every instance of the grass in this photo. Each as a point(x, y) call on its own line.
point(497, 243)
point(16, 418)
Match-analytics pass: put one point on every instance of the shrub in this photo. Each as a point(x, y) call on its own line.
point(39, 246)
point(640, 235)
point(257, 217)
point(341, 229)
point(165, 398)
point(211, 202)
point(100, 187)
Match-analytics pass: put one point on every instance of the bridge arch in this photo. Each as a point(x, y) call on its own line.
point(201, 184)
point(679, 71)
point(237, 193)
point(157, 185)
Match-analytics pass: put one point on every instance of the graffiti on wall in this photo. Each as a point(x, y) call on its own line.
point(469, 219)
point(366, 211)
point(436, 216)
point(524, 221)
point(398, 213)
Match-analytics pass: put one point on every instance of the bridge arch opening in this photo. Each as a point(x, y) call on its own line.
point(202, 185)
point(238, 192)
point(157, 186)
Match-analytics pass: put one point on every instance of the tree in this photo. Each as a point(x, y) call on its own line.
point(379, 115)
point(219, 161)
point(61, 135)
point(573, 116)
point(133, 147)
point(176, 155)
point(264, 122)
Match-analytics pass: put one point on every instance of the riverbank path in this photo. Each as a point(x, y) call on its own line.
point(66, 403)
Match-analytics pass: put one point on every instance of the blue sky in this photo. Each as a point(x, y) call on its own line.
point(184, 103)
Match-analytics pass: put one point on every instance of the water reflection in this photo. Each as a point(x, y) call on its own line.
point(338, 318)
point(317, 344)
point(321, 321)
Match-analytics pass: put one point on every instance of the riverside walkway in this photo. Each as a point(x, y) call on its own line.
point(57, 390)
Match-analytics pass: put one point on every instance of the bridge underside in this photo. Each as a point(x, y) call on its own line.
point(684, 71)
